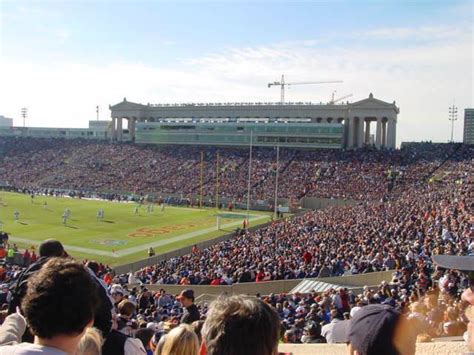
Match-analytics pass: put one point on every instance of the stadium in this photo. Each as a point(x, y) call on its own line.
point(206, 160)
point(236, 177)
point(314, 205)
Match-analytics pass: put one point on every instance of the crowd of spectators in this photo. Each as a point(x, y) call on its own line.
point(402, 231)
point(428, 212)
point(146, 169)
point(428, 216)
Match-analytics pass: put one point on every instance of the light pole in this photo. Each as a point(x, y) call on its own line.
point(24, 114)
point(453, 116)
point(275, 212)
point(250, 174)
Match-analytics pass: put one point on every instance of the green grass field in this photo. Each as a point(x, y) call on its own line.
point(121, 236)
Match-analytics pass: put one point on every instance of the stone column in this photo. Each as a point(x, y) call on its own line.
point(350, 133)
point(345, 133)
point(119, 129)
point(113, 131)
point(367, 131)
point(131, 128)
point(378, 135)
point(360, 133)
point(391, 133)
point(384, 134)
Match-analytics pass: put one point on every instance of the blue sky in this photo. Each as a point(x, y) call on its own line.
point(61, 53)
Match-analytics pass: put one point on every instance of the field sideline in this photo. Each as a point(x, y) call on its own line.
point(121, 236)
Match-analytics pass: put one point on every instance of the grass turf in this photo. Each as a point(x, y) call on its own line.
point(121, 236)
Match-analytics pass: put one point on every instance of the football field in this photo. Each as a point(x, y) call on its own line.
point(123, 234)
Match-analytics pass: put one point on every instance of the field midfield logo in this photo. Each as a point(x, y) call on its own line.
point(147, 232)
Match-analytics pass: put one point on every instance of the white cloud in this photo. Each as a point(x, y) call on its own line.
point(423, 80)
point(431, 33)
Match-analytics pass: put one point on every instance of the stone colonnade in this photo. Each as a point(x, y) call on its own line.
point(117, 130)
point(358, 132)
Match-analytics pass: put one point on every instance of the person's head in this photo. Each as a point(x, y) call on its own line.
point(313, 329)
point(240, 325)
point(126, 308)
point(145, 335)
point(197, 327)
point(94, 266)
point(380, 329)
point(51, 248)
point(181, 341)
point(61, 300)
point(186, 297)
point(290, 336)
point(334, 314)
point(157, 343)
point(117, 292)
point(91, 343)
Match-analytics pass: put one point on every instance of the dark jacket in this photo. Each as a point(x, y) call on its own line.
point(103, 317)
point(190, 314)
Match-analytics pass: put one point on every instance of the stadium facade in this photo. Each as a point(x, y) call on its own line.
point(297, 124)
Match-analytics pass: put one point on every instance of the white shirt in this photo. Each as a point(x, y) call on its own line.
point(29, 349)
point(133, 346)
point(326, 330)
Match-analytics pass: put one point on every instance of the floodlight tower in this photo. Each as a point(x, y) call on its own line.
point(24, 114)
point(453, 116)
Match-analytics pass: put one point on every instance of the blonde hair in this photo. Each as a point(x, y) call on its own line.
point(90, 343)
point(181, 341)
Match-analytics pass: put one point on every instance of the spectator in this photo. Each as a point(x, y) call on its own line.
point(380, 329)
point(48, 249)
point(181, 341)
point(191, 312)
point(197, 327)
point(240, 325)
point(12, 329)
point(126, 310)
point(312, 334)
point(91, 343)
point(145, 335)
point(328, 330)
point(59, 306)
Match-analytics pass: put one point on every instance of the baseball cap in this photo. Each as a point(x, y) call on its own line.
point(372, 328)
point(187, 293)
point(117, 289)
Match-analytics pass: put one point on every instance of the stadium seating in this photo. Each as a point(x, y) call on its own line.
point(412, 203)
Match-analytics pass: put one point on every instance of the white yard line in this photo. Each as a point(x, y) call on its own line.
point(67, 247)
point(142, 247)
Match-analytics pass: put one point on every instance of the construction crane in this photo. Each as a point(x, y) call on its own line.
point(333, 100)
point(282, 84)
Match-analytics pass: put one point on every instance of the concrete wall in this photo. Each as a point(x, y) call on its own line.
point(315, 203)
point(435, 348)
point(280, 286)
